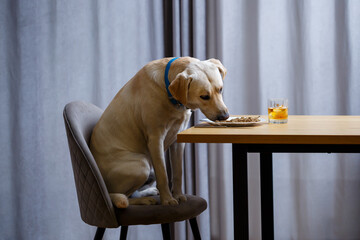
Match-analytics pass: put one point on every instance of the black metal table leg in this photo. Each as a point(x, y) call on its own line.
point(267, 199)
point(240, 192)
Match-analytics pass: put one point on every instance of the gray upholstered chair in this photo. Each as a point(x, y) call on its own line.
point(95, 205)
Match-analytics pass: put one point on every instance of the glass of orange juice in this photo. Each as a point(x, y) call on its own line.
point(278, 110)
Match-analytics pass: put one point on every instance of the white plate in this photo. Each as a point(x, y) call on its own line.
point(234, 124)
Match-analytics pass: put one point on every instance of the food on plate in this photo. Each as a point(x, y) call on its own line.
point(242, 119)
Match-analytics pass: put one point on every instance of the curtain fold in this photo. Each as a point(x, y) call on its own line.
point(305, 51)
point(187, 39)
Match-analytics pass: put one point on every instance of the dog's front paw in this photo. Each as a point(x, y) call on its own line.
point(169, 201)
point(180, 197)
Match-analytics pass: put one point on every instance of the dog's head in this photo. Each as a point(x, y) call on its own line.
point(200, 86)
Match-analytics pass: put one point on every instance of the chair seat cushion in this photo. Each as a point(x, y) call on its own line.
point(157, 214)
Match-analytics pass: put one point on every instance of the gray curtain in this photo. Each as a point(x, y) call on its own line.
point(309, 52)
point(54, 52)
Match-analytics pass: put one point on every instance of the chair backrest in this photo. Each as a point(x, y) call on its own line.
point(94, 201)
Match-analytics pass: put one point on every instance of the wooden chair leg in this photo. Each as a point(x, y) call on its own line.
point(99, 233)
point(165, 227)
point(195, 229)
point(123, 232)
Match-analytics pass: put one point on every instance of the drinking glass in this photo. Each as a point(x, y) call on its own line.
point(278, 110)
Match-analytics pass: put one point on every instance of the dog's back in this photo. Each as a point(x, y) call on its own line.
point(141, 123)
point(140, 108)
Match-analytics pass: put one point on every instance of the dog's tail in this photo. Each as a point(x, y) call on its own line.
point(119, 200)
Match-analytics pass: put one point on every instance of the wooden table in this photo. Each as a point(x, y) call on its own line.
point(314, 134)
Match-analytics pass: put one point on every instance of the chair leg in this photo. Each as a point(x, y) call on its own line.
point(195, 229)
point(99, 233)
point(123, 232)
point(165, 227)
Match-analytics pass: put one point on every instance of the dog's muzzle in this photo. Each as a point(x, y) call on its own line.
point(223, 115)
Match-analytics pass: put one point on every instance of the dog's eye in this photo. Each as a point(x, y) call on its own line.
point(205, 97)
point(220, 90)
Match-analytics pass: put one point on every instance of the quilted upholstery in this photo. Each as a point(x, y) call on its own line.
point(94, 200)
point(95, 205)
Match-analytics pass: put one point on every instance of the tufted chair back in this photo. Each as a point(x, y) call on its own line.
point(95, 205)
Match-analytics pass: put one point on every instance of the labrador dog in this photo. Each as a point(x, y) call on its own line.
point(143, 120)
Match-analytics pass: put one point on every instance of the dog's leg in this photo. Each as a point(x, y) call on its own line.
point(142, 201)
point(125, 177)
point(121, 201)
point(156, 148)
point(176, 160)
point(148, 189)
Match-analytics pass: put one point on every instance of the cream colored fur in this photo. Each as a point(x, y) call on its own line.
point(141, 123)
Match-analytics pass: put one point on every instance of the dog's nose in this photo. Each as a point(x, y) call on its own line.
point(223, 116)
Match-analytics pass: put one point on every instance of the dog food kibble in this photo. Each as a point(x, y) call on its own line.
point(242, 119)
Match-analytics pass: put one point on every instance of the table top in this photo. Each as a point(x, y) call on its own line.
point(300, 129)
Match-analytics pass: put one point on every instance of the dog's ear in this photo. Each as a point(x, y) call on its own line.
point(179, 87)
point(219, 65)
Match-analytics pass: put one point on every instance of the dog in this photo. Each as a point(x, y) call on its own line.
point(143, 120)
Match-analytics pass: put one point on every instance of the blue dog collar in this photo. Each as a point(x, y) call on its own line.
point(167, 83)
